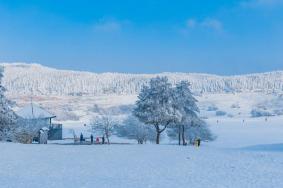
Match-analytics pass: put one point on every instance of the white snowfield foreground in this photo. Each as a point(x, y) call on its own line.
point(137, 166)
point(246, 154)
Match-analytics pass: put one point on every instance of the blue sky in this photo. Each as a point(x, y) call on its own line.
point(147, 36)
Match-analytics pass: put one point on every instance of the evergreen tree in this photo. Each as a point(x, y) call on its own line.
point(7, 116)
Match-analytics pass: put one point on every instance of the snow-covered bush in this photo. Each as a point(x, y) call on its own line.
point(260, 113)
point(278, 112)
point(220, 113)
point(212, 108)
point(235, 106)
point(132, 128)
point(230, 115)
point(199, 130)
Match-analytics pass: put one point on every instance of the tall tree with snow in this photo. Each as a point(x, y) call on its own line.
point(154, 105)
point(186, 105)
point(7, 116)
point(189, 126)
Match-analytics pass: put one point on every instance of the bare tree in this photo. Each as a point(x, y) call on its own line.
point(104, 124)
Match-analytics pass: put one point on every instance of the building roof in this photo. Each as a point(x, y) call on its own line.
point(33, 111)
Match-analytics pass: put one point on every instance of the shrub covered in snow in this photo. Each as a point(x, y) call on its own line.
point(212, 108)
point(132, 128)
point(260, 113)
point(235, 106)
point(220, 113)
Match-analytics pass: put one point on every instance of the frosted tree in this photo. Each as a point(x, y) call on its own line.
point(132, 128)
point(105, 125)
point(154, 105)
point(185, 107)
point(189, 126)
point(7, 116)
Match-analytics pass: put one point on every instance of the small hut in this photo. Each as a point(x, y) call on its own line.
point(35, 112)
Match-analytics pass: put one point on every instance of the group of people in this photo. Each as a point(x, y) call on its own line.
point(97, 140)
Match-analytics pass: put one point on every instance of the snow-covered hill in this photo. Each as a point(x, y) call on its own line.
point(20, 78)
point(78, 96)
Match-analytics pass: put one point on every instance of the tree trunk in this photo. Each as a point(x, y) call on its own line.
point(107, 138)
point(179, 134)
point(183, 135)
point(157, 137)
point(158, 132)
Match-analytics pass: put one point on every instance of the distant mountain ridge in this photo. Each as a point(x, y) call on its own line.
point(21, 78)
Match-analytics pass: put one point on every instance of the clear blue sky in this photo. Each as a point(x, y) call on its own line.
point(146, 36)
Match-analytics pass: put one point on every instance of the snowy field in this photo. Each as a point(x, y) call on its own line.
point(248, 154)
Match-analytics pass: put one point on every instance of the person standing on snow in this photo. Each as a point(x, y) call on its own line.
point(81, 137)
point(91, 139)
point(103, 139)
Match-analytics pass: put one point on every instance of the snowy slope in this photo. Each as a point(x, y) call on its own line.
point(20, 78)
point(78, 96)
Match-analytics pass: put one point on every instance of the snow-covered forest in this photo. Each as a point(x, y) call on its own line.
point(21, 78)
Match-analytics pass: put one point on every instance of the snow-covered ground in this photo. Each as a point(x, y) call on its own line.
point(136, 166)
point(245, 154)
